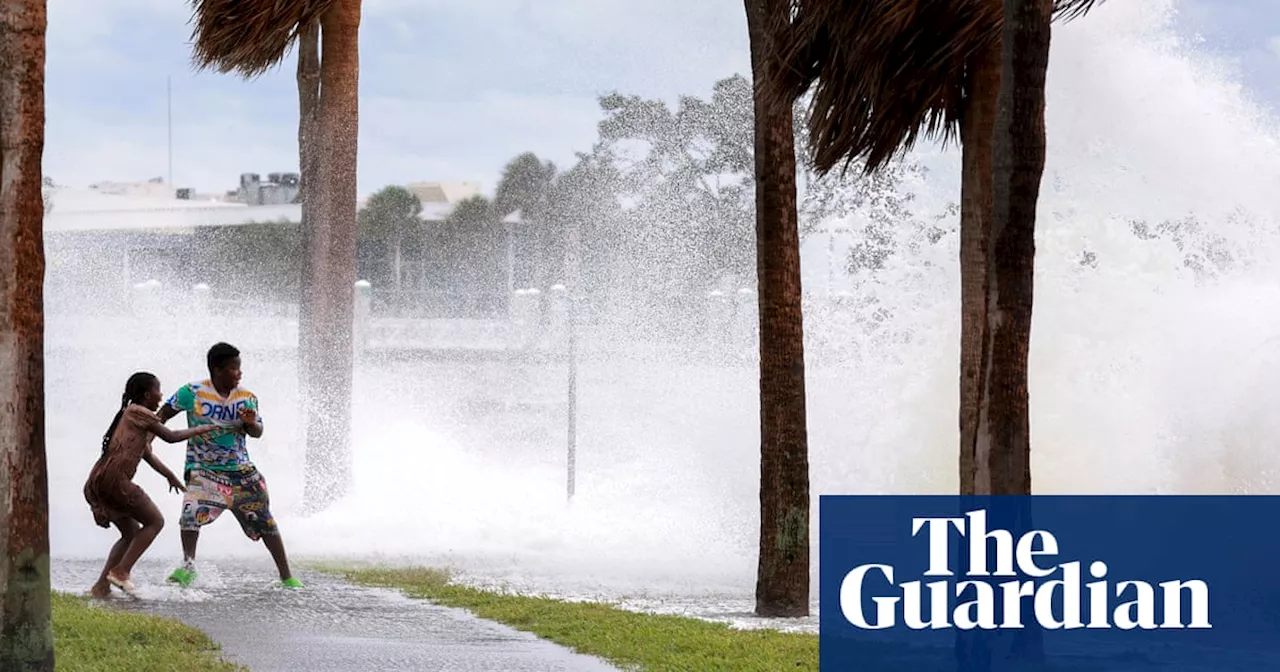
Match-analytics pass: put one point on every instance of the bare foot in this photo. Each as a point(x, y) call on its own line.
point(101, 590)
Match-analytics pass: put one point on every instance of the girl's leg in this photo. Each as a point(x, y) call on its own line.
point(152, 522)
point(128, 528)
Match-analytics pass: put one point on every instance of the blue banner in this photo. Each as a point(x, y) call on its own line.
point(1102, 583)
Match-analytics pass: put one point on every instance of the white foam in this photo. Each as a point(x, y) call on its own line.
point(1144, 377)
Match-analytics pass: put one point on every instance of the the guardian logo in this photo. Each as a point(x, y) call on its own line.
point(971, 602)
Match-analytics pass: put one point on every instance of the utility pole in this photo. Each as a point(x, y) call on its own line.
point(574, 288)
point(168, 85)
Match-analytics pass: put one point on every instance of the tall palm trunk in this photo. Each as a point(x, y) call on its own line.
point(26, 635)
point(977, 134)
point(1004, 426)
point(308, 78)
point(326, 356)
point(782, 578)
point(1002, 445)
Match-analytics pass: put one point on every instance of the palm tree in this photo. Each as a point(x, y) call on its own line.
point(782, 574)
point(936, 68)
point(885, 74)
point(26, 634)
point(249, 37)
point(526, 185)
point(387, 218)
point(1018, 157)
point(1002, 440)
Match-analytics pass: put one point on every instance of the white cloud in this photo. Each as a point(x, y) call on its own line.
point(1273, 44)
point(448, 90)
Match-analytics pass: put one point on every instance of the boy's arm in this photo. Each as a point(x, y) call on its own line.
point(181, 400)
point(252, 425)
point(249, 418)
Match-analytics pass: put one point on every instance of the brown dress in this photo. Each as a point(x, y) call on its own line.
point(110, 491)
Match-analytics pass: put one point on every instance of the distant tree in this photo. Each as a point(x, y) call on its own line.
point(386, 220)
point(47, 188)
point(467, 235)
point(470, 253)
point(262, 254)
point(585, 196)
point(689, 174)
point(526, 186)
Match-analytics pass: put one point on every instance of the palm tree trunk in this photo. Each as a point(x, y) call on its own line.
point(26, 635)
point(328, 361)
point(1004, 426)
point(977, 133)
point(1003, 442)
point(782, 579)
point(308, 78)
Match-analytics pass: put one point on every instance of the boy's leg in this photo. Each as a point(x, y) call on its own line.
point(275, 544)
point(202, 503)
point(252, 508)
point(186, 572)
point(189, 540)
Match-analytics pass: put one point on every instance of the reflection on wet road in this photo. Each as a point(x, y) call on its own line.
point(329, 626)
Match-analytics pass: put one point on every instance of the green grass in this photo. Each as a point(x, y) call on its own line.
point(96, 638)
point(625, 638)
point(647, 642)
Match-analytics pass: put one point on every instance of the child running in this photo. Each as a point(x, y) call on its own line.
point(219, 474)
point(112, 495)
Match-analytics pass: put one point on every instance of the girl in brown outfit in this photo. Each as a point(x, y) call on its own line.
point(110, 491)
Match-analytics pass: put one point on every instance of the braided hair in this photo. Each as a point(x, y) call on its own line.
point(134, 389)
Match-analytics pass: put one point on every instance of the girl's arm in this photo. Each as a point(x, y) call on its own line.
point(156, 464)
point(176, 435)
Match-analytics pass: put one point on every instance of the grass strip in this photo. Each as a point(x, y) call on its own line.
point(631, 640)
point(91, 637)
point(651, 642)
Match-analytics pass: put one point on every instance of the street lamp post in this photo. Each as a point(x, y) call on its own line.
point(511, 220)
point(572, 264)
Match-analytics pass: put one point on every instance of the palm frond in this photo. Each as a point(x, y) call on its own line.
point(885, 73)
point(248, 36)
point(1067, 10)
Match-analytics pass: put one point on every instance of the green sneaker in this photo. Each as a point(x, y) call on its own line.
point(183, 576)
point(291, 582)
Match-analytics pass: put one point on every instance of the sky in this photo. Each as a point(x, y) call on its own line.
point(449, 91)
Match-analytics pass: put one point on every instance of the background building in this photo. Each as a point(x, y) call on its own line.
point(103, 241)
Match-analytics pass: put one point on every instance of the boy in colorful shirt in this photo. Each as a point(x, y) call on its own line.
point(219, 474)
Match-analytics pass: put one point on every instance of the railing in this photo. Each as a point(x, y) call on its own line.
point(439, 304)
point(249, 308)
point(719, 326)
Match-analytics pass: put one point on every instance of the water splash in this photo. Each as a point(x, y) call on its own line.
point(1153, 368)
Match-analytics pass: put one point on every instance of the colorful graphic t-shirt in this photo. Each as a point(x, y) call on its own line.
point(218, 450)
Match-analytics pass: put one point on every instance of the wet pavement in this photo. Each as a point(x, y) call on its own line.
point(330, 626)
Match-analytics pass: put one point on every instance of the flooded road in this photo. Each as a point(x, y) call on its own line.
point(329, 626)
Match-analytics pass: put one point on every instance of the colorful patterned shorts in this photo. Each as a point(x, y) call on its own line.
point(209, 493)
